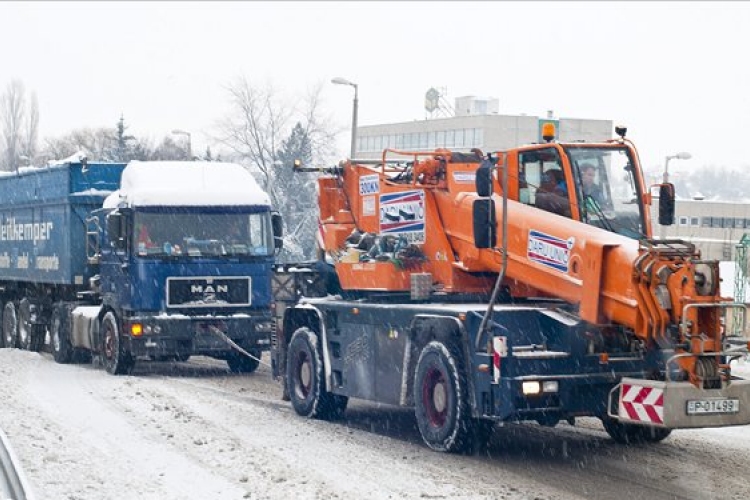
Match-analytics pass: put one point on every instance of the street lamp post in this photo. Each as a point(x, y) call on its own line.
point(189, 143)
point(343, 81)
point(679, 156)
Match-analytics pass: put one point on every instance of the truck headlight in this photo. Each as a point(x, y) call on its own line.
point(535, 387)
point(531, 387)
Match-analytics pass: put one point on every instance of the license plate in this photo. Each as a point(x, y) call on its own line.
point(712, 406)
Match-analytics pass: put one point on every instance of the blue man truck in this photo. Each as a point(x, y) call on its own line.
point(159, 260)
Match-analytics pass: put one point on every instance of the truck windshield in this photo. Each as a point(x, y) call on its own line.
point(163, 234)
point(607, 189)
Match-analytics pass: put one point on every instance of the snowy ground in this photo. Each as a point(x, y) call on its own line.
point(195, 431)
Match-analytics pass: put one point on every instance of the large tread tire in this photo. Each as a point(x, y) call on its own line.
point(623, 433)
point(10, 325)
point(441, 400)
point(306, 380)
point(62, 349)
point(116, 359)
point(239, 363)
point(28, 338)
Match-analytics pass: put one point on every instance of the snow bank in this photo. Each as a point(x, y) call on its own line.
point(186, 183)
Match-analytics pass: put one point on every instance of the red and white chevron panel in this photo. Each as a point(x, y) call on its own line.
point(499, 351)
point(642, 404)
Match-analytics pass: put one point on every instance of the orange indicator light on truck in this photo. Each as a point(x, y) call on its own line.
point(136, 329)
point(548, 131)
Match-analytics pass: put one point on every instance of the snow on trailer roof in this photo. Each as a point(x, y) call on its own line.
point(186, 183)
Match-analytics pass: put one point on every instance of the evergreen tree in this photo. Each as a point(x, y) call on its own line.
point(294, 196)
point(123, 151)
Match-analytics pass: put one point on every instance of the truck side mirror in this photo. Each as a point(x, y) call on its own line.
point(277, 222)
point(485, 227)
point(666, 204)
point(483, 179)
point(116, 230)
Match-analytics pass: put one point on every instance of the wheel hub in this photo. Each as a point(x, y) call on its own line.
point(439, 398)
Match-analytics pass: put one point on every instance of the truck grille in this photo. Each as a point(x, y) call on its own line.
point(208, 292)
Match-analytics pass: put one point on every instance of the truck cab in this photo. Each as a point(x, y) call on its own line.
point(184, 270)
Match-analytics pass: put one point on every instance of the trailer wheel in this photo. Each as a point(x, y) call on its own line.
point(10, 325)
point(441, 400)
point(27, 338)
point(623, 433)
point(305, 379)
point(239, 363)
point(116, 360)
point(62, 349)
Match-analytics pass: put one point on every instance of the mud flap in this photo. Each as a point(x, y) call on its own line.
point(679, 405)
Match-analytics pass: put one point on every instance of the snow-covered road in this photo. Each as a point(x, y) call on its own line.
point(194, 431)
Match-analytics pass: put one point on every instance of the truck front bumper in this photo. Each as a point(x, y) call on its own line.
point(186, 335)
point(680, 405)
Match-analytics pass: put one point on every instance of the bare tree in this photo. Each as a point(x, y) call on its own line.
point(12, 111)
point(31, 129)
point(97, 143)
point(260, 119)
point(255, 126)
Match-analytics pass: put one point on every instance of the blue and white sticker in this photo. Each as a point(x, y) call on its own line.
point(549, 250)
point(464, 177)
point(369, 184)
point(403, 214)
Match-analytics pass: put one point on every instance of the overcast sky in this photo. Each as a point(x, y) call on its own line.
point(676, 73)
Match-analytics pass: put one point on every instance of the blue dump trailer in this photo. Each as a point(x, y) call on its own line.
point(117, 262)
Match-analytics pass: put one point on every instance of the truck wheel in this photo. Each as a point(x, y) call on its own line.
point(623, 433)
point(27, 338)
point(116, 360)
point(239, 363)
point(10, 325)
point(62, 350)
point(441, 400)
point(304, 375)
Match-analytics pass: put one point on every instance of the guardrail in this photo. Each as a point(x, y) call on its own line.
point(13, 483)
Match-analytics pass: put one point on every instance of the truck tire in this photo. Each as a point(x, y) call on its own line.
point(306, 383)
point(62, 349)
point(239, 363)
point(441, 400)
point(623, 433)
point(117, 360)
point(28, 339)
point(10, 325)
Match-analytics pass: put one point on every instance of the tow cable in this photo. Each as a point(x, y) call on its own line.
point(233, 345)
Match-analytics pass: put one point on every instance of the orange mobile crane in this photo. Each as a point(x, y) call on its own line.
point(504, 287)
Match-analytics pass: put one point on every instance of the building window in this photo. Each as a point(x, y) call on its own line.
point(695, 221)
point(440, 138)
point(450, 138)
point(469, 137)
point(726, 251)
point(459, 140)
point(729, 222)
point(706, 222)
point(683, 220)
point(431, 140)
